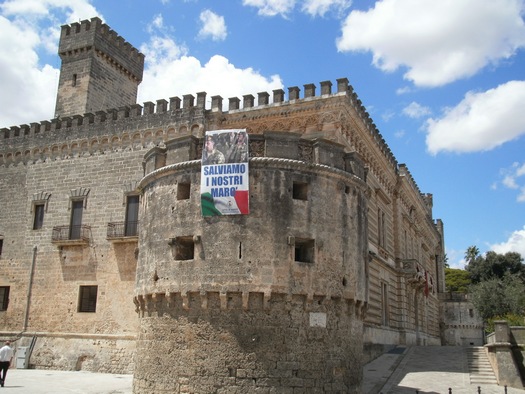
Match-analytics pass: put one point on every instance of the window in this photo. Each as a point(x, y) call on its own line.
point(4, 297)
point(38, 220)
point(381, 228)
point(77, 207)
point(184, 248)
point(384, 302)
point(39, 208)
point(183, 191)
point(406, 245)
point(304, 250)
point(132, 216)
point(300, 191)
point(87, 301)
point(1, 245)
point(74, 80)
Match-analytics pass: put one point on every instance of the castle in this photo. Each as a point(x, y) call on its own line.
point(108, 263)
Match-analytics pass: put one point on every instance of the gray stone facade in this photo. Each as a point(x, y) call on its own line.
point(241, 315)
point(461, 323)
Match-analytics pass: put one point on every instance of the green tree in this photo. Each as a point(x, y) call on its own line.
point(471, 254)
point(498, 296)
point(493, 265)
point(498, 283)
point(457, 280)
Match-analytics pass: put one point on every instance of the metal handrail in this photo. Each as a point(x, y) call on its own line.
point(71, 233)
point(122, 229)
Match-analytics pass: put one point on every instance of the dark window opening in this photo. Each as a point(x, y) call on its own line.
point(1, 245)
point(87, 299)
point(381, 228)
point(240, 250)
point(132, 216)
point(38, 220)
point(300, 191)
point(384, 299)
point(183, 191)
point(4, 297)
point(184, 248)
point(304, 250)
point(75, 229)
point(74, 80)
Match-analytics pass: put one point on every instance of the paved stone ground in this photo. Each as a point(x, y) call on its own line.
point(427, 370)
point(33, 381)
point(423, 369)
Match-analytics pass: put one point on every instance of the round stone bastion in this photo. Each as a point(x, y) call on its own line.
point(266, 302)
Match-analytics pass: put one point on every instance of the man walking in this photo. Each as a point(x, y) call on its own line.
point(6, 357)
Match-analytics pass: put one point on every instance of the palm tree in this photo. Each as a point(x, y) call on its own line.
point(471, 254)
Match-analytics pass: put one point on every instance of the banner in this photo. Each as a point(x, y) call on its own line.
point(224, 173)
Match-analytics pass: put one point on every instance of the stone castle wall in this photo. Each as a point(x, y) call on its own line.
point(462, 325)
point(378, 253)
point(50, 275)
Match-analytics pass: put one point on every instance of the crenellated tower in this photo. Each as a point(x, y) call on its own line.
point(100, 70)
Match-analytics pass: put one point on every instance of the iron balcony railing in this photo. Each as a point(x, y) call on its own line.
point(71, 234)
point(118, 230)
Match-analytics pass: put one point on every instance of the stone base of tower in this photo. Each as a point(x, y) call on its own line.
point(277, 344)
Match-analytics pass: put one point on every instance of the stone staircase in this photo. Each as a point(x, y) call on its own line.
point(480, 369)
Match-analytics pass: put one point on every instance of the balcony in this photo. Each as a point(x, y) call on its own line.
point(71, 235)
point(413, 272)
point(123, 231)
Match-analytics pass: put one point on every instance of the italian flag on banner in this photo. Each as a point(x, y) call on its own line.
point(224, 173)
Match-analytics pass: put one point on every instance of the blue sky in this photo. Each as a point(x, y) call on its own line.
point(444, 81)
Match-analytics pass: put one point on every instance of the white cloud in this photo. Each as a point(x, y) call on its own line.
point(26, 27)
point(271, 7)
point(387, 115)
point(456, 258)
point(321, 7)
point(437, 41)
point(72, 10)
point(515, 243)
point(404, 90)
point(213, 26)
point(480, 122)
point(157, 23)
point(311, 7)
point(186, 75)
point(416, 110)
point(514, 178)
point(22, 80)
point(171, 71)
point(399, 134)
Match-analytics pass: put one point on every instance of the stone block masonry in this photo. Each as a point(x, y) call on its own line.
point(92, 284)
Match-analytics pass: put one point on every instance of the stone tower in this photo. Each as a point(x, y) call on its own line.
point(100, 70)
point(273, 300)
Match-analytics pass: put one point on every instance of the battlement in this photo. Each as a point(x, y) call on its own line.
point(194, 108)
point(156, 304)
point(95, 35)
